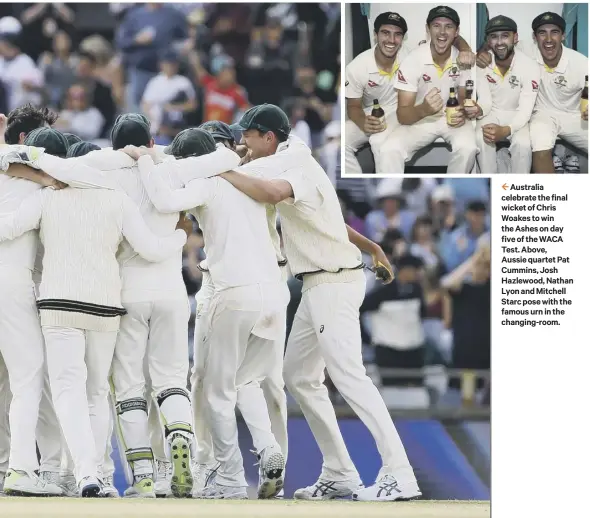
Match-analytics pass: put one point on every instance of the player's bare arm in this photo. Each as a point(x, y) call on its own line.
point(260, 190)
point(380, 260)
point(366, 123)
point(408, 113)
point(466, 57)
point(34, 175)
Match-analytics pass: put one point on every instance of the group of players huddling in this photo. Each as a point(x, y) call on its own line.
point(527, 95)
point(94, 312)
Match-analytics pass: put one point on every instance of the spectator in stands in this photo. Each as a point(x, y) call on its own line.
point(442, 209)
point(58, 68)
point(164, 92)
point(144, 33)
point(79, 116)
point(329, 153)
point(295, 110)
point(222, 96)
point(350, 218)
point(397, 310)
point(390, 213)
point(423, 244)
point(464, 192)
point(22, 79)
point(457, 246)
point(99, 94)
point(417, 192)
point(230, 26)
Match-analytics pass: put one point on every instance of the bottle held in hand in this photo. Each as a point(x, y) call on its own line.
point(452, 106)
point(469, 86)
point(584, 99)
point(378, 112)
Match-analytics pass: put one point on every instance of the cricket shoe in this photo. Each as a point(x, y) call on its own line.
point(89, 487)
point(271, 471)
point(215, 491)
point(203, 475)
point(325, 489)
point(181, 483)
point(572, 164)
point(558, 164)
point(163, 479)
point(66, 481)
point(108, 487)
point(21, 483)
point(142, 488)
point(387, 489)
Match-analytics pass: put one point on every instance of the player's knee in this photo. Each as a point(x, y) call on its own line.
point(163, 395)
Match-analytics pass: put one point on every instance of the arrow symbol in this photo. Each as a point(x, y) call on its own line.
point(505, 186)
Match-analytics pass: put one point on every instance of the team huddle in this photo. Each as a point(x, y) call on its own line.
point(94, 313)
point(524, 96)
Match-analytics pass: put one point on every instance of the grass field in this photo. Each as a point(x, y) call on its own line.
point(91, 508)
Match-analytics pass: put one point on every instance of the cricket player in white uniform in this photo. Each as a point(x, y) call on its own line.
point(244, 317)
point(81, 230)
point(371, 76)
point(326, 329)
point(506, 94)
point(423, 83)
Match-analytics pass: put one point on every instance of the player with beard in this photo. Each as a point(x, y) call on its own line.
point(423, 82)
point(557, 110)
point(371, 76)
point(506, 93)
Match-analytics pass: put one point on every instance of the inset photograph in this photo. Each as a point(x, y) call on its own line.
point(409, 78)
point(532, 88)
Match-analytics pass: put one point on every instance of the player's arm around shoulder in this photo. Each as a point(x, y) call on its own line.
point(260, 189)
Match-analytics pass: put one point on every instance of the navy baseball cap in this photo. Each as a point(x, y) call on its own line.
point(81, 148)
point(548, 18)
point(219, 130)
point(443, 11)
point(54, 141)
point(390, 18)
point(264, 117)
point(500, 23)
point(191, 142)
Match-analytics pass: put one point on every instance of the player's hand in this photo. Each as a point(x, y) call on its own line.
point(493, 133)
point(433, 102)
point(372, 125)
point(242, 150)
point(457, 119)
point(483, 59)
point(466, 59)
point(185, 224)
point(248, 157)
point(132, 151)
point(585, 115)
point(472, 112)
point(382, 266)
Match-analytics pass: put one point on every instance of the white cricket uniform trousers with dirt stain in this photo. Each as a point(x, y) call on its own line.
point(242, 328)
point(546, 126)
point(262, 403)
point(79, 362)
point(326, 335)
point(355, 138)
point(407, 140)
point(521, 154)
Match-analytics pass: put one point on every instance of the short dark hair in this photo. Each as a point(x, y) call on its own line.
point(26, 119)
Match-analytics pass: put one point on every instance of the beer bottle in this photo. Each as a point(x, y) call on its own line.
point(378, 112)
point(584, 100)
point(452, 105)
point(469, 93)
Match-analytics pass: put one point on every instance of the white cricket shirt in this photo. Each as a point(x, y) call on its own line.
point(515, 91)
point(366, 81)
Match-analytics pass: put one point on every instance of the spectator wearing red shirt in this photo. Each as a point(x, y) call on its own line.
point(222, 96)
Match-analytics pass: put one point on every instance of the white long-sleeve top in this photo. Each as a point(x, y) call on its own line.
point(143, 280)
point(81, 230)
point(314, 231)
point(238, 245)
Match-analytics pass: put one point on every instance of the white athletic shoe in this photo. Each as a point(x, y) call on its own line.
point(272, 468)
point(89, 487)
point(142, 488)
point(21, 483)
point(214, 491)
point(108, 487)
point(325, 489)
point(66, 481)
point(181, 483)
point(203, 474)
point(387, 489)
point(162, 485)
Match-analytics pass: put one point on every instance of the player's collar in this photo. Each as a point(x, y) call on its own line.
point(561, 66)
point(429, 60)
point(495, 68)
point(374, 68)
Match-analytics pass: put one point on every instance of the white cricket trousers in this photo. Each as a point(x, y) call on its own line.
point(5, 397)
point(547, 126)
point(243, 325)
point(21, 347)
point(521, 154)
point(78, 363)
point(407, 140)
point(155, 333)
point(355, 138)
point(326, 335)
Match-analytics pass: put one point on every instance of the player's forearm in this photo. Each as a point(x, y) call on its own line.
point(28, 173)
point(158, 191)
point(260, 190)
point(205, 166)
point(361, 242)
point(408, 115)
point(461, 45)
point(356, 115)
point(524, 112)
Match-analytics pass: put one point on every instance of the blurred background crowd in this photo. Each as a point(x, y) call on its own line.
point(184, 64)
